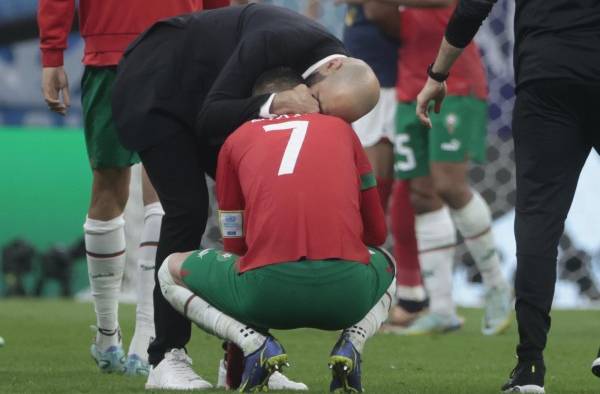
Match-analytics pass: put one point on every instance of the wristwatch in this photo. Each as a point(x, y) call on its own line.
point(438, 77)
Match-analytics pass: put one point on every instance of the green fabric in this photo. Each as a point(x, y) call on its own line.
point(367, 181)
point(103, 146)
point(327, 295)
point(458, 134)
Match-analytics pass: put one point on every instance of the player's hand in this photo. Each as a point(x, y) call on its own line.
point(55, 86)
point(298, 100)
point(432, 91)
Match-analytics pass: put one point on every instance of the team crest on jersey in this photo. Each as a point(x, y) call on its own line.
point(451, 122)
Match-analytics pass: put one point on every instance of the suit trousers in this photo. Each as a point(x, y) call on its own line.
point(555, 126)
point(177, 169)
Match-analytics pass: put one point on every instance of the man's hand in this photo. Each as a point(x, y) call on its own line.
point(432, 91)
point(294, 101)
point(54, 85)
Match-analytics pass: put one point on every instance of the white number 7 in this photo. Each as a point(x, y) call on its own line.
point(292, 150)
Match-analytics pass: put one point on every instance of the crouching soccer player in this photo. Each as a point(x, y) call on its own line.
point(298, 207)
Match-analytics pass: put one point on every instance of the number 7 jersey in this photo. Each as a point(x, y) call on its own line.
point(297, 187)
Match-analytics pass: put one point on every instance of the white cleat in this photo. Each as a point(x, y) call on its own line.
point(175, 372)
point(277, 381)
point(596, 366)
point(498, 309)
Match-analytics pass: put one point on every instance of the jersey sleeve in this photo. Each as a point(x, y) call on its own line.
point(211, 4)
point(231, 204)
point(371, 211)
point(55, 18)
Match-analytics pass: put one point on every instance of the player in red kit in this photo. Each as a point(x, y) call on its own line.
point(298, 206)
point(108, 27)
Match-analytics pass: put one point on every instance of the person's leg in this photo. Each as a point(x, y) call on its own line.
point(550, 150)
point(105, 250)
point(345, 357)
point(144, 317)
point(435, 232)
point(104, 225)
point(459, 134)
point(410, 292)
point(206, 304)
point(375, 131)
point(175, 170)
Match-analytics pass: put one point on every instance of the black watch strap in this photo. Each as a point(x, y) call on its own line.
point(438, 77)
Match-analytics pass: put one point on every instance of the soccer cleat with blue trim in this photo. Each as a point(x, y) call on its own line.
point(110, 361)
point(344, 363)
point(260, 365)
point(136, 366)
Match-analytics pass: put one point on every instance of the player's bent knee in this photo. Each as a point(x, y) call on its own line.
point(165, 279)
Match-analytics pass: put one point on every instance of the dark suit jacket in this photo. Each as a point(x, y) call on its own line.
point(195, 72)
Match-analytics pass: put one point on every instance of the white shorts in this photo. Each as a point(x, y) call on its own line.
point(380, 122)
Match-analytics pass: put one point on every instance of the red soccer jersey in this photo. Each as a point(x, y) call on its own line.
point(421, 32)
point(107, 26)
point(295, 183)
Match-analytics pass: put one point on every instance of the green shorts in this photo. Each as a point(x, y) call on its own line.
point(103, 146)
point(458, 134)
point(322, 294)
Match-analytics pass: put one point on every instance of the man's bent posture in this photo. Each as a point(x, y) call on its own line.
point(298, 207)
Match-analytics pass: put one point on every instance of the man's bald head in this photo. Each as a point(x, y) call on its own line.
point(345, 87)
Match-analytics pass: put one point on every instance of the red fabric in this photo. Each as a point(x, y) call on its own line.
point(235, 366)
point(421, 32)
point(384, 187)
point(107, 26)
point(314, 212)
point(406, 253)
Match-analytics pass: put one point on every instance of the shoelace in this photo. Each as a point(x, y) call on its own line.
point(181, 364)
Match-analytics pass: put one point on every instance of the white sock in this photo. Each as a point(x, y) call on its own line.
point(144, 314)
point(474, 222)
point(105, 250)
point(436, 239)
point(368, 326)
point(206, 316)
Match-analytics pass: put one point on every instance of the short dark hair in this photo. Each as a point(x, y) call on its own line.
point(276, 80)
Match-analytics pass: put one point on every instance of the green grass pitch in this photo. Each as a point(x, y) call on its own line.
point(47, 351)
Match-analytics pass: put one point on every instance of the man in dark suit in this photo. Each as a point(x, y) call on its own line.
point(186, 83)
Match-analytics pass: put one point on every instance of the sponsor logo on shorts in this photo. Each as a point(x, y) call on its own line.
point(452, 146)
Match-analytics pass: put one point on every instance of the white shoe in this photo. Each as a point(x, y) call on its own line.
point(497, 310)
point(175, 372)
point(277, 381)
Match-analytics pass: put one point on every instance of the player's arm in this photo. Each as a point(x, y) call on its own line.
point(229, 102)
point(462, 27)
point(371, 211)
point(55, 18)
point(231, 204)
point(385, 16)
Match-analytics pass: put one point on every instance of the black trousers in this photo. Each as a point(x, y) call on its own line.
point(555, 126)
point(177, 168)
